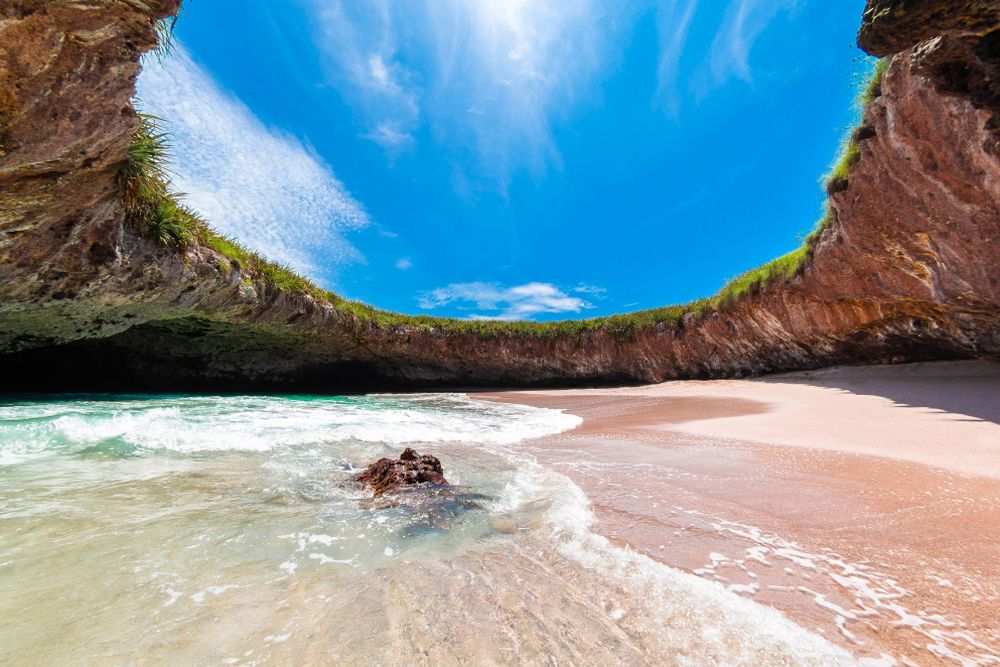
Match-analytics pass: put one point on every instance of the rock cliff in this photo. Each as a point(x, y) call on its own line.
point(907, 268)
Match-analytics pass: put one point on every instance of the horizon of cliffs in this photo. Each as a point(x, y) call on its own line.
point(905, 267)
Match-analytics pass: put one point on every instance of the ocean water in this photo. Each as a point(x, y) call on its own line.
point(198, 530)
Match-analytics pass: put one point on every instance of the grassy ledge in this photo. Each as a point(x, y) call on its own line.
point(850, 148)
point(157, 213)
point(836, 180)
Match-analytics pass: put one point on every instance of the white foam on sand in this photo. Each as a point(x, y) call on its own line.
point(699, 620)
point(866, 593)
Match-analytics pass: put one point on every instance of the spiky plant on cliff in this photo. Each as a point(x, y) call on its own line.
point(171, 224)
point(150, 208)
point(156, 213)
point(144, 174)
point(164, 29)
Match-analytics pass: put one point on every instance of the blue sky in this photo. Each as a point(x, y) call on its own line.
point(510, 158)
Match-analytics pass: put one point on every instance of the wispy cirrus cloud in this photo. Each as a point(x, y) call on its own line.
point(593, 290)
point(743, 23)
point(490, 78)
point(673, 19)
point(255, 183)
point(361, 41)
point(497, 302)
point(487, 77)
point(724, 49)
point(524, 64)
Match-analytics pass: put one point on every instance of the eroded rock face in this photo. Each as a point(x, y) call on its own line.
point(892, 26)
point(67, 73)
point(953, 43)
point(409, 470)
point(909, 270)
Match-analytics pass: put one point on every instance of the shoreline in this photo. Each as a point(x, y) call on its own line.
point(864, 503)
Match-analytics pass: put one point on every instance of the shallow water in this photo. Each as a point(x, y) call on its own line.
point(225, 530)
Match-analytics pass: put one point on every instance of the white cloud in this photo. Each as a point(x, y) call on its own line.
point(255, 183)
point(593, 290)
point(360, 40)
point(724, 53)
point(489, 77)
point(673, 18)
point(404, 263)
point(389, 136)
point(504, 303)
point(744, 21)
point(380, 73)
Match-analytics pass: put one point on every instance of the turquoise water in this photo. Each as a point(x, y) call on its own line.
point(226, 530)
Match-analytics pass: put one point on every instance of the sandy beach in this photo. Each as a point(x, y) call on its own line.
point(864, 503)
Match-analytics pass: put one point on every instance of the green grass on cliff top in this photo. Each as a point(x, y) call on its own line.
point(788, 266)
point(157, 213)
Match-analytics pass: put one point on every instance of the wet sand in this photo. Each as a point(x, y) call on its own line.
point(864, 503)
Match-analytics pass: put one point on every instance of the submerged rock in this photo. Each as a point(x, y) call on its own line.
point(410, 469)
point(423, 510)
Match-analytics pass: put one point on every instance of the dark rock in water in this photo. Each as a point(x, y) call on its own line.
point(411, 469)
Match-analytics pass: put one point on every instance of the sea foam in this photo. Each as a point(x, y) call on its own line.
point(249, 423)
point(237, 532)
point(690, 614)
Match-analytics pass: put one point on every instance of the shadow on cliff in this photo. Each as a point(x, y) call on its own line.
point(968, 389)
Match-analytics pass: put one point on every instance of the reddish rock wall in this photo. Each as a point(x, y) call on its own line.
point(910, 269)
